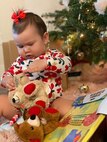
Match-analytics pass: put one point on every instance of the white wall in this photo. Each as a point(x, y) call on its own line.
point(37, 6)
point(6, 8)
point(43, 6)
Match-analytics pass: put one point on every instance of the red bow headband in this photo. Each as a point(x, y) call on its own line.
point(17, 16)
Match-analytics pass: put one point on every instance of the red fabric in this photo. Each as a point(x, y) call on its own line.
point(41, 103)
point(35, 110)
point(37, 140)
point(51, 110)
point(28, 89)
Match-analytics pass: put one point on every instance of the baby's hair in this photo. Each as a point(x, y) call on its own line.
point(30, 19)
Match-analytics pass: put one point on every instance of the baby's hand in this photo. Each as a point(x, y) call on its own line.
point(37, 65)
point(9, 82)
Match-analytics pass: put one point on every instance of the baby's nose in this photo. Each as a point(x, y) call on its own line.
point(26, 49)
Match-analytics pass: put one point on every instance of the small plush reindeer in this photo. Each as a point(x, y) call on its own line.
point(28, 93)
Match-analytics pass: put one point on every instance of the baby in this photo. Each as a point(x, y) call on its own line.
point(31, 38)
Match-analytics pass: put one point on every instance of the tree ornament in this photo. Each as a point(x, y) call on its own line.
point(84, 88)
point(67, 48)
point(82, 36)
point(73, 39)
point(80, 56)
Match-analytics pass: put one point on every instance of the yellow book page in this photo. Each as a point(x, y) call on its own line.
point(78, 125)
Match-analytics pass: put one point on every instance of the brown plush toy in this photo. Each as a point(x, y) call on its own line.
point(28, 93)
point(38, 122)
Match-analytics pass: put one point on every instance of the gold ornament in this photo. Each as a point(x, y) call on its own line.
point(84, 88)
point(80, 56)
point(82, 35)
point(73, 39)
point(67, 48)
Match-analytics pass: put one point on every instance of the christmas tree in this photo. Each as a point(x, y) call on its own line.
point(82, 24)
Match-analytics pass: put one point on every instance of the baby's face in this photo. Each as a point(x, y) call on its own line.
point(29, 43)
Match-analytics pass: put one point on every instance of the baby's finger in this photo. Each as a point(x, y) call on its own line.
point(28, 70)
point(10, 86)
point(25, 71)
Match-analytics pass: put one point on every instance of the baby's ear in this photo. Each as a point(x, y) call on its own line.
point(46, 37)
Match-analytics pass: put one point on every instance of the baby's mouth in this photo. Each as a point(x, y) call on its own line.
point(29, 56)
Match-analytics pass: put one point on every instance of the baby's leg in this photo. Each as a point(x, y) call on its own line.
point(62, 105)
point(6, 109)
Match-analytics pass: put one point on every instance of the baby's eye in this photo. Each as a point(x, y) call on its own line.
point(20, 46)
point(30, 44)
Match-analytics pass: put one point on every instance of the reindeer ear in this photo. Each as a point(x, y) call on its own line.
point(21, 79)
point(29, 89)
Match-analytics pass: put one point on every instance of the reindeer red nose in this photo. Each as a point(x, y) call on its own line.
point(28, 89)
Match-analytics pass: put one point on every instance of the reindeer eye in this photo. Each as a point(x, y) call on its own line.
point(15, 99)
point(34, 121)
point(33, 117)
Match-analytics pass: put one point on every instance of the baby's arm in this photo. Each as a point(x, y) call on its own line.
point(53, 60)
point(58, 62)
point(7, 79)
point(8, 82)
point(36, 66)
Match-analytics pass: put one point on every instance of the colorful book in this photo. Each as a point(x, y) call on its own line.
point(101, 94)
point(78, 125)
